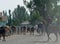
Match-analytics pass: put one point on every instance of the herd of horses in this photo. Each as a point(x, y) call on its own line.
point(52, 28)
point(41, 28)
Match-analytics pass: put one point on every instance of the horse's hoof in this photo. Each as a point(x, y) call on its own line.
point(3, 40)
point(56, 40)
point(48, 40)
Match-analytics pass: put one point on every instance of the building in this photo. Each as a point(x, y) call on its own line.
point(3, 19)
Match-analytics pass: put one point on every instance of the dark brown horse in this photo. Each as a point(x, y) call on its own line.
point(24, 30)
point(2, 32)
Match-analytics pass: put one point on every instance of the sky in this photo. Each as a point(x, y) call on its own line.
point(10, 4)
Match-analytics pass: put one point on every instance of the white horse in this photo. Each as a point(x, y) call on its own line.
point(52, 28)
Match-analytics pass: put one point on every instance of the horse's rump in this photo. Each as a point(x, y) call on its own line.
point(53, 29)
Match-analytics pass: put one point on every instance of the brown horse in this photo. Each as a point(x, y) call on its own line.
point(7, 29)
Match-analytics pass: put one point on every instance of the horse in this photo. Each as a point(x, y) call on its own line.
point(40, 29)
point(24, 30)
point(52, 28)
point(32, 30)
point(7, 29)
point(13, 28)
point(2, 32)
point(28, 29)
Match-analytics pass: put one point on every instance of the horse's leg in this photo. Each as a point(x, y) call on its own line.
point(0, 36)
point(56, 36)
point(48, 36)
point(3, 36)
point(30, 32)
point(33, 32)
point(42, 32)
point(25, 32)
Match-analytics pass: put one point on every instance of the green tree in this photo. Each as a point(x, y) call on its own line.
point(20, 15)
point(4, 12)
point(35, 17)
point(45, 7)
point(9, 18)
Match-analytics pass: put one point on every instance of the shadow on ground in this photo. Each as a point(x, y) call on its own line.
point(44, 41)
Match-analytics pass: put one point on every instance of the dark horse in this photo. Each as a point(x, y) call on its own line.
point(2, 32)
point(32, 30)
point(40, 28)
point(13, 28)
point(28, 29)
point(24, 30)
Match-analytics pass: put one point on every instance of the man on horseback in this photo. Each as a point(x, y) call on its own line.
point(51, 27)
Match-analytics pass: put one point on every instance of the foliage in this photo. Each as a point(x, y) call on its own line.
point(19, 15)
point(9, 18)
point(44, 7)
point(4, 12)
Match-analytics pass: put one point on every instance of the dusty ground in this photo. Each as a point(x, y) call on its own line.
point(30, 39)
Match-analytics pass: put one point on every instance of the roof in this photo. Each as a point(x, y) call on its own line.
point(25, 22)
